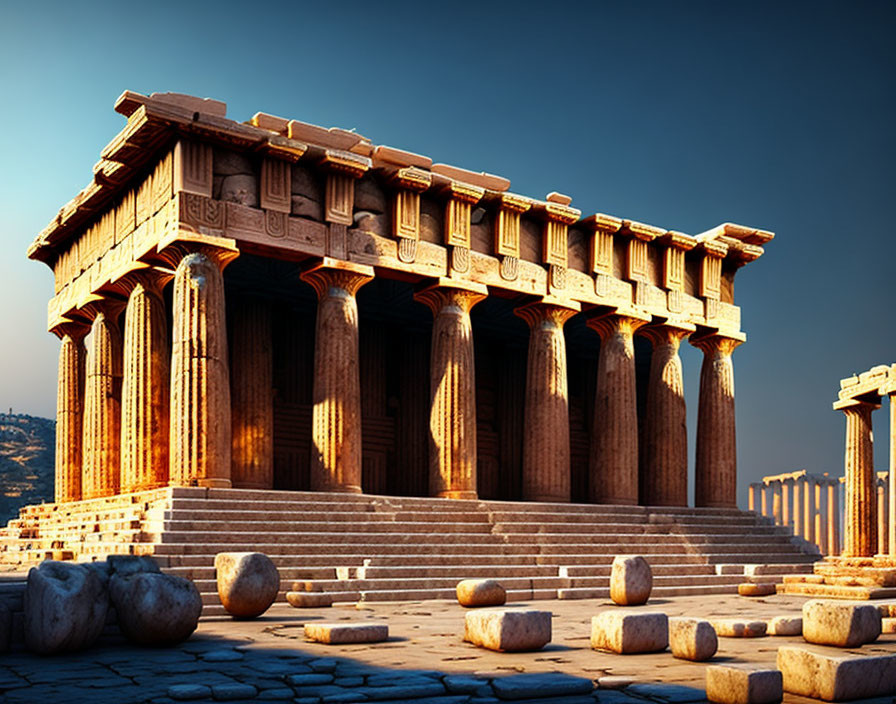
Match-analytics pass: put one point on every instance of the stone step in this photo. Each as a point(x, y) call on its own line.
point(664, 581)
point(318, 527)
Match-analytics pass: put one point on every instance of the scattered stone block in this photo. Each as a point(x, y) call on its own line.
point(692, 639)
point(785, 626)
point(888, 625)
point(154, 608)
point(834, 677)
point(65, 608)
point(309, 600)
point(480, 592)
point(842, 624)
point(756, 589)
point(631, 580)
point(342, 633)
point(740, 628)
point(248, 582)
point(508, 630)
point(548, 684)
point(738, 685)
point(630, 631)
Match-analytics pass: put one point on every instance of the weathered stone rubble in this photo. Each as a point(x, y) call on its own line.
point(248, 582)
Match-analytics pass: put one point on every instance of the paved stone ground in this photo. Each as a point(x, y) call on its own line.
point(425, 660)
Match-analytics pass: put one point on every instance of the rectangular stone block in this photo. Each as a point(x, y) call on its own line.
point(508, 630)
point(692, 639)
point(341, 633)
point(309, 600)
point(624, 631)
point(738, 685)
point(842, 624)
point(835, 677)
point(785, 626)
point(739, 628)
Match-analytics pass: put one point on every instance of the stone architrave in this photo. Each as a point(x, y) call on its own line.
point(146, 382)
point(100, 474)
point(861, 499)
point(69, 408)
point(664, 477)
point(715, 473)
point(336, 416)
point(614, 444)
point(252, 397)
point(452, 424)
point(546, 440)
point(200, 447)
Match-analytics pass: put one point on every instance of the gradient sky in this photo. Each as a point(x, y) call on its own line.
point(683, 115)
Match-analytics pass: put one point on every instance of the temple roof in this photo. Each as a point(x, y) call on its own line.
point(153, 121)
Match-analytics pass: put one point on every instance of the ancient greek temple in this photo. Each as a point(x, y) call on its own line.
point(275, 305)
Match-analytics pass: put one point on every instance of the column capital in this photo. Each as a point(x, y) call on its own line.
point(620, 320)
point(444, 291)
point(714, 342)
point(152, 278)
point(548, 308)
point(75, 329)
point(108, 306)
point(329, 273)
point(855, 406)
point(180, 244)
point(668, 332)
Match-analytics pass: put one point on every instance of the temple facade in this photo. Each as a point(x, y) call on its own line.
point(273, 304)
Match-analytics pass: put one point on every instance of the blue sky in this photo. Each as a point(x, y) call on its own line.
point(682, 115)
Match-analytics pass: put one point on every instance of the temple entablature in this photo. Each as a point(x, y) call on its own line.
point(297, 191)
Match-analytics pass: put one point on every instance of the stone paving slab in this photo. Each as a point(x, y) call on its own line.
point(425, 661)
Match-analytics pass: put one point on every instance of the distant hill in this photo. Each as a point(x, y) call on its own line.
point(27, 458)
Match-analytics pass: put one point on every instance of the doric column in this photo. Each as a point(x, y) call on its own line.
point(833, 510)
point(452, 420)
point(798, 507)
point(200, 451)
point(664, 476)
point(614, 453)
point(336, 415)
point(861, 499)
point(881, 489)
point(808, 509)
point(252, 400)
point(715, 472)
point(776, 502)
point(786, 503)
point(763, 499)
point(820, 540)
point(69, 407)
point(101, 472)
point(546, 417)
point(753, 499)
point(891, 487)
point(146, 382)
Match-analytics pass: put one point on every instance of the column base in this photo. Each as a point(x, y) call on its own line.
point(548, 499)
point(469, 495)
point(341, 489)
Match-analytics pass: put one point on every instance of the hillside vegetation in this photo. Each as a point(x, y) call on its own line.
point(27, 456)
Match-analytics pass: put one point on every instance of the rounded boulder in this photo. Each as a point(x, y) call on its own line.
point(480, 592)
point(631, 580)
point(248, 582)
point(155, 608)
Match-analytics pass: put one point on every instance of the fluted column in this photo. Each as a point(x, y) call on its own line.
point(452, 420)
point(786, 503)
point(798, 507)
point(715, 472)
point(664, 469)
point(146, 383)
point(820, 537)
point(777, 490)
point(891, 487)
point(753, 504)
point(101, 472)
point(614, 445)
point(336, 415)
point(833, 510)
point(861, 496)
point(546, 417)
point(808, 509)
point(252, 400)
point(881, 489)
point(200, 451)
point(69, 407)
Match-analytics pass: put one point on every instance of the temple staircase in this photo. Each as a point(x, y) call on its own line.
point(386, 548)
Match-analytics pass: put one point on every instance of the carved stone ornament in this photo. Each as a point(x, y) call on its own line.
point(510, 268)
